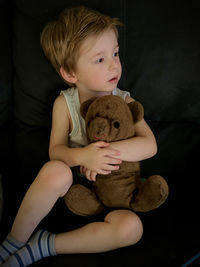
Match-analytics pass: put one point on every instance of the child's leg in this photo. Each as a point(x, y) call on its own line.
point(120, 228)
point(52, 182)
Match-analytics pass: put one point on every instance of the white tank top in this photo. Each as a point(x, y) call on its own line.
point(77, 137)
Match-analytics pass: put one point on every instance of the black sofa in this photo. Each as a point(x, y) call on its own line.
point(160, 53)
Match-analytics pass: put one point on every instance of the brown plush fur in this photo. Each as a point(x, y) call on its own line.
point(110, 118)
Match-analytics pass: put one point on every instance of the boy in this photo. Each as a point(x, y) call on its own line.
point(83, 48)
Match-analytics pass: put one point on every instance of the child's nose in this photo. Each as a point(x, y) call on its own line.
point(113, 64)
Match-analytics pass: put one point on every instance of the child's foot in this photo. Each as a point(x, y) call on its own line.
point(41, 245)
point(9, 247)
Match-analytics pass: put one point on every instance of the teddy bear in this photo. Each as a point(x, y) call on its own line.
point(109, 118)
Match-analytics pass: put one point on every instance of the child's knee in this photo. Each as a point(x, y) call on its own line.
point(56, 175)
point(128, 227)
point(131, 228)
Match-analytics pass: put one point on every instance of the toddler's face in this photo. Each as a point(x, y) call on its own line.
point(98, 67)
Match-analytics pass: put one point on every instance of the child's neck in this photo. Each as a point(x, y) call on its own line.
point(85, 96)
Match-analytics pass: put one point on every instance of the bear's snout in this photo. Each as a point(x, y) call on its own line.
point(99, 129)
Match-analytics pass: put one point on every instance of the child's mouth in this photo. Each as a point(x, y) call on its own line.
point(113, 80)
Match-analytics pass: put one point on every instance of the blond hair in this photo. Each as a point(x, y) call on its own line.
point(61, 39)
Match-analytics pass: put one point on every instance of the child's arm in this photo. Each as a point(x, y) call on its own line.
point(140, 147)
point(92, 157)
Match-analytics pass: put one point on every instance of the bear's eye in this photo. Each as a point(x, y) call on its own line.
point(116, 124)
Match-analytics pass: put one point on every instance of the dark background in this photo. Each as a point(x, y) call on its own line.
point(160, 53)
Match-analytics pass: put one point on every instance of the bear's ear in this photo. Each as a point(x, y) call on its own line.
point(137, 110)
point(85, 105)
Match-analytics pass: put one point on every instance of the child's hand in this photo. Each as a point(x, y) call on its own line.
point(90, 175)
point(99, 158)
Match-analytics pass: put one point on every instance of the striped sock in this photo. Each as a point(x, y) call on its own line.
point(9, 247)
point(41, 245)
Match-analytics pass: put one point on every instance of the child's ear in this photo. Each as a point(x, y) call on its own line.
point(137, 110)
point(68, 76)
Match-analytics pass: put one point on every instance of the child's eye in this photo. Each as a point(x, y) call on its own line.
point(116, 54)
point(100, 60)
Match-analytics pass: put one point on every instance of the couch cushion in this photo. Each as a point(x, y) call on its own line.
point(6, 62)
point(6, 98)
point(162, 58)
point(1, 199)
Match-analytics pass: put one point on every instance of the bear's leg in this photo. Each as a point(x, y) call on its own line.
point(151, 194)
point(83, 201)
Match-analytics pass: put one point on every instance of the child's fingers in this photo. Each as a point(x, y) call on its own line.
point(81, 169)
point(101, 144)
point(106, 149)
point(90, 175)
point(109, 167)
point(93, 176)
point(110, 152)
point(111, 160)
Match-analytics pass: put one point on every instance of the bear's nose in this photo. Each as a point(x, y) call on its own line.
point(101, 128)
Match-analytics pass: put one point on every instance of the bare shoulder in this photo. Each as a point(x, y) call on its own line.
point(60, 102)
point(60, 122)
point(60, 106)
point(61, 110)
